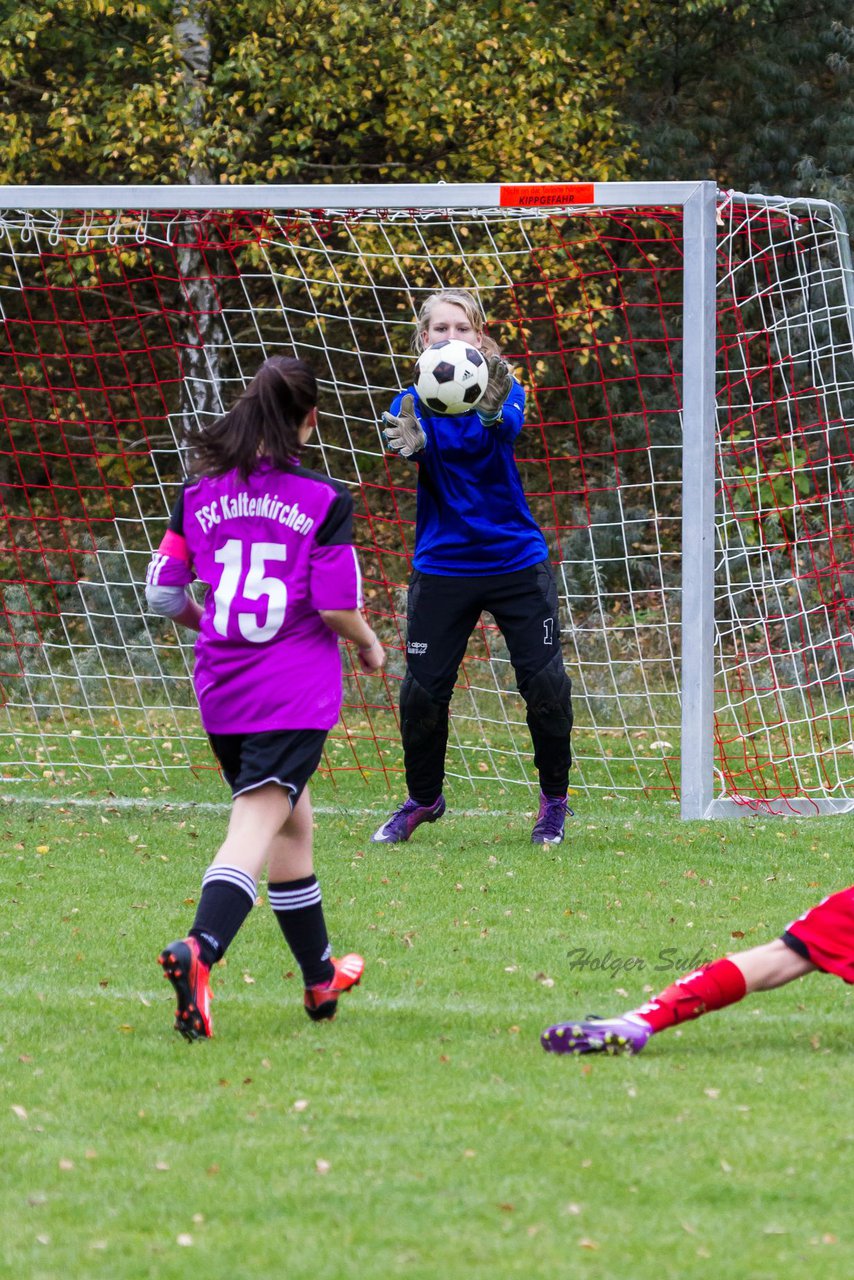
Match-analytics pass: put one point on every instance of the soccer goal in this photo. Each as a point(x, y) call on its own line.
point(687, 358)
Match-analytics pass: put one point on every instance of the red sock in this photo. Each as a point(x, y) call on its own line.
point(713, 987)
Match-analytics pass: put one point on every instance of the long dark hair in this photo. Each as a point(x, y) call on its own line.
point(264, 422)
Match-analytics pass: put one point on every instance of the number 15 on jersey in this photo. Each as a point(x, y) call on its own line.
point(250, 583)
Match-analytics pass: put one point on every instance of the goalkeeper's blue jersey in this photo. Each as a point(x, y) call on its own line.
point(472, 518)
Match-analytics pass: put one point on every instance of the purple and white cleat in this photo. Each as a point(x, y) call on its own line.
point(597, 1035)
point(400, 826)
point(551, 819)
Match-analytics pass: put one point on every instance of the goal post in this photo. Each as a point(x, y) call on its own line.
point(698, 502)
point(688, 394)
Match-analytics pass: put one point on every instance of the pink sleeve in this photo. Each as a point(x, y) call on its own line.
point(170, 565)
point(335, 578)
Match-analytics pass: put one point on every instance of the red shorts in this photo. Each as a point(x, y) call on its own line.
point(827, 933)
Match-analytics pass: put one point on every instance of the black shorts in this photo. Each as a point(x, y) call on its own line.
point(443, 611)
point(286, 756)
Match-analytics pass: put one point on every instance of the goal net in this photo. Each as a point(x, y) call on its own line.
point(124, 329)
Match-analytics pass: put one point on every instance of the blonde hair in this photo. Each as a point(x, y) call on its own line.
point(468, 303)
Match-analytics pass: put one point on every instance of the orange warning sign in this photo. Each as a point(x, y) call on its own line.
point(547, 194)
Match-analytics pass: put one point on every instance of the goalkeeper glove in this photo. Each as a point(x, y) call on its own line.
point(497, 390)
point(403, 432)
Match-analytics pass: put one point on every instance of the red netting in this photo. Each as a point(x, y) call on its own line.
point(122, 331)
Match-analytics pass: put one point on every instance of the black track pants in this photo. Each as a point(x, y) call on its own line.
point(442, 613)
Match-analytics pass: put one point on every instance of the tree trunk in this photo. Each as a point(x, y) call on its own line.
point(201, 400)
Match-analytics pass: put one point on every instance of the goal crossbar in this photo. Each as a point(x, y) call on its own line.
point(452, 195)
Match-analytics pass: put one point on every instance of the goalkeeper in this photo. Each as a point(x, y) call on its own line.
point(477, 547)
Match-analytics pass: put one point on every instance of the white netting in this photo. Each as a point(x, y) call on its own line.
point(123, 331)
point(786, 412)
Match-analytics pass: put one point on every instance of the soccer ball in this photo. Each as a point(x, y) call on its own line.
point(450, 377)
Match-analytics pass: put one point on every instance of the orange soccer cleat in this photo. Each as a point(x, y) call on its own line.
point(322, 1001)
point(190, 978)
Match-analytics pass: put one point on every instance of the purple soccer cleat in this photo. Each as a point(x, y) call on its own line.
point(400, 826)
point(597, 1035)
point(553, 813)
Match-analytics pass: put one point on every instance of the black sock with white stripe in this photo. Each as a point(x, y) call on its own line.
point(298, 908)
point(228, 895)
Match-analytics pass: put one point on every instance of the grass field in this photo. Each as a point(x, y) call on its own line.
point(424, 1133)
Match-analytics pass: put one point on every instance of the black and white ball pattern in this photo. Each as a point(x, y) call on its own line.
point(450, 377)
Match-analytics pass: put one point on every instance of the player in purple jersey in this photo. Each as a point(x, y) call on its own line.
point(477, 547)
point(274, 542)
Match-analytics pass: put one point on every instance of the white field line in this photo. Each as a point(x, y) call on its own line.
point(209, 806)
